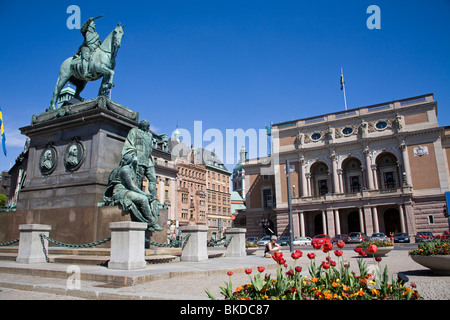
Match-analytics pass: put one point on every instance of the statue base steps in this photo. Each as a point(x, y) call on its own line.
point(94, 256)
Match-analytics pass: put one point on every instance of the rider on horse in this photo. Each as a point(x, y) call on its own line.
point(90, 44)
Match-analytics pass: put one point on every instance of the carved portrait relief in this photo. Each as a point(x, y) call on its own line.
point(48, 160)
point(74, 155)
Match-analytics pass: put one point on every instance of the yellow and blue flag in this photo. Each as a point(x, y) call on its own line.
point(2, 130)
point(342, 81)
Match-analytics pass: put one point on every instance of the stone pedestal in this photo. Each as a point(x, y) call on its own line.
point(72, 152)
point(236, 247)
point(30, 245)
point(127, 245)
point(196, 246)
point(159, 236)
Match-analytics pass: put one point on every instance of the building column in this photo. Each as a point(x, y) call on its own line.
point(406, 168)
point(361, 220)
point(324, 221)
point(302, 224)
point(331, 223)
point(376, 227)
point(295, 225)
point(368, 168)
point(337, 223)
point(335, 174)
point(402, 218)
point(308, 183)
point(303, 182)
point(341, 180)
point(368, 221)
point(374, 175)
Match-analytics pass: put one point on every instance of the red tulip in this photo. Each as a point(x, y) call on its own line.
point(338, 253)
point(316, 245)
point(289, 273)
point(325, 265)
point(327, 247)
point(298, 269)
point(277, 256)
point(311, 255)
point(378, 259)
point(340, 244)
point(230, 273)
point(261, 269)
point(296, 255)
point(372, 248)
point(248, 271)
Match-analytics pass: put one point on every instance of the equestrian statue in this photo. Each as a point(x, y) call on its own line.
point(94, 60)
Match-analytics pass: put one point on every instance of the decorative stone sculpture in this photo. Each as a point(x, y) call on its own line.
point(123, 190)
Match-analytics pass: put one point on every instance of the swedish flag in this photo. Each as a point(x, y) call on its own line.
point(2, 130)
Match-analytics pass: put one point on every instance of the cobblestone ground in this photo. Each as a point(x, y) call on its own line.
point(429, 286)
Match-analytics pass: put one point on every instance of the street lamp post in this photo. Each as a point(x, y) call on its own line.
point(291, 233)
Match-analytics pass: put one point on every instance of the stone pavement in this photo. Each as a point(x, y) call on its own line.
point(180, 280)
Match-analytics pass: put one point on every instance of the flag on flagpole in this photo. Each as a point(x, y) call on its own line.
point(2, 130)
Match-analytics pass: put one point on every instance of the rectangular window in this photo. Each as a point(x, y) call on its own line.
point(430, 219)
point(323, 187)
point(355, 184)
point(389, 180)
point(267, 198)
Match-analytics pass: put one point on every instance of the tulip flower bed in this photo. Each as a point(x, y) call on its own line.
point(329, 280)
point(378, 243)
point(438, 246)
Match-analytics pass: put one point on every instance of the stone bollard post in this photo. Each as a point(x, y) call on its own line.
point(196, 246)
point(127, 245)
point(236, 247)
point(30, 245)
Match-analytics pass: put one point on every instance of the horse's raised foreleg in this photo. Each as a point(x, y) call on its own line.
point(80, 87)
point(107, 83)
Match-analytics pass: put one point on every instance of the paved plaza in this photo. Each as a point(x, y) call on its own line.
point(182, 280)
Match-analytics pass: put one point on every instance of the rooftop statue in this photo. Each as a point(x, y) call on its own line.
point(93, 61)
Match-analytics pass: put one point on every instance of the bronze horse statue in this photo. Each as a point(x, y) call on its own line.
point(101, 64)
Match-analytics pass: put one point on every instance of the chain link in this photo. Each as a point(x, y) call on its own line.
point(66, 245)
point(4, 244)
point(172, 244)
point(223, 241)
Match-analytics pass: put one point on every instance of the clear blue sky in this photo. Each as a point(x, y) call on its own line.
point(231, 64)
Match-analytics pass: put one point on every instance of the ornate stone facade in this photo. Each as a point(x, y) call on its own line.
point(380, 168)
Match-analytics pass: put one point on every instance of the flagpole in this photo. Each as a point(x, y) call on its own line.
point(343, 86)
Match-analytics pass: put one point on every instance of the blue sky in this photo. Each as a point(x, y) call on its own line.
point(230, 64)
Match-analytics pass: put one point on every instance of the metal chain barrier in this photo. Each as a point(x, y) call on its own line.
point(62, 244)
point(223, 241)
point(172, 244)
point(4, 244)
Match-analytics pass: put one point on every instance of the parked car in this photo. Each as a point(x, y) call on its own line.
point(339, 237)
point(263, 241)
point(284, 241)
point(401, 238)
point(379, 236)
point(356, 237)
point(321, 239)
point(252, 240)
point(424, 236)
point(302, 241)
